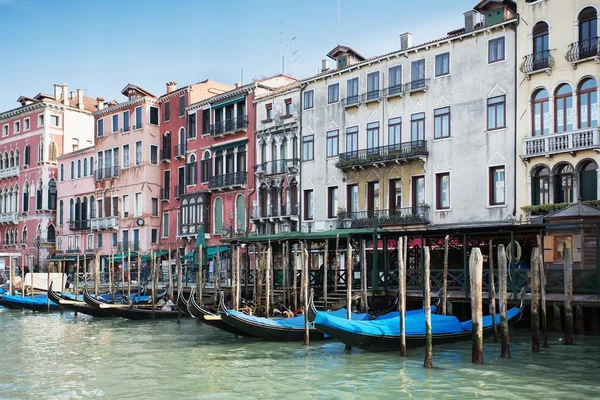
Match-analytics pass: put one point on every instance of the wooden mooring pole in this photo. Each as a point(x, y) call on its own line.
point(402, 296)
point(305, 280)
point(535, 300)
point(476, 272)
point(268, 281)
point(349, 284)
point(179, 280)
point(568, 271)
point(543, 309)
point(428, 363)
point(579, 323)
point(200, 283)
point(153, 276)
point(492, 292)
point(325, 270)
point(503, 288)
point(363, 273)
point(295, 279)
point(337, 263)
point(445, 279)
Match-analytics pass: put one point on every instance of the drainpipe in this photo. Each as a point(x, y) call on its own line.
point(300, 191)
point(516, 125)
point(249, 195)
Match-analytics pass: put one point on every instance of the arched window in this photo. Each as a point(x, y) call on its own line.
point(17, 157)
point(26, 155)
point(24, 237)
point(51, 234)
point(273, 151)
point(38, 196)
point(78, 169)
point(91, 165)
point(85, 167)
point(588, 33)
point(541, 113)
point(206, 166)
point(72, 173)
point(84, 211)
point(240, 214)
point(283, 149)
point(563, 184)
point(192, 215)
point(16, 198)
point(11, 159)
point(263, 153)
point(166, 146)
point(71, 211)
point(191, 170)
point(26, 197)
point(5, 160)
point(563, 109)
point(185, 221)
point(41, 152)
point(588, 181)
point(182, 137)
point(92, 208)
point(61, 212)
point(200, 209)
point(541, 49)
point(52, 195)
point(61, 172)
point(77, 210)
point(218, 216)
point(52, 152)
point(540, 186)
point(588, 103)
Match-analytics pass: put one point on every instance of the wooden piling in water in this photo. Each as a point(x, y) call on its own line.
point(128, 274)
point(238, 274)
point(259, 279)
point(445, 278)
point(304, 282)
point(336, 273)
point(325, 270)
point(492, 292)
point(23, 280)
point(233, 277)
point(285, 274)
point(535, 300)
point(568, 271)
point(179, 281)
point(217, 285)
point(200, 283)
point(295, 282)
point(543, 310)
point(557, 318)
point(268, 281)
point(579, 322)
point(402, 296)
point(96, 274)
point(153, 276)
point(349, 284)
point(363, 273)
point(503, 301)
point(476, 273)
point(122, 274)
point(76, 276)
point(271, 277)
point(428, 363)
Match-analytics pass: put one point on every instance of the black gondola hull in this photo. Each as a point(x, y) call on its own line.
point(211, 319)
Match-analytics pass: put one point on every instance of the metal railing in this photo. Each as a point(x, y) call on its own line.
point(165, 154)
point(165, 193)
point(179, 191)
point(9, 218)
point(229, 125)
point(8, 172)
point(233, 179)
point(416, 85)
point(283, 210)
point(564, 142)
point(125, 246)
point(107, 172)
point(79, 225)
point(587, 48)
point(105, 223)
point(396, 216)
point(373, 95)
point(277, 166)
point(396, 90)
point(179, 150)
point(390, 152)
point(193, 229)
point(351, 101)
point(540, 61)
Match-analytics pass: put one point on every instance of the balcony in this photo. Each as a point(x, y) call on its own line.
point(179, 191)
point(564, 142)
point(123, 247)
point(374, 95)
point(394, 91)
point(82, 225)
point(192, 229)
point(587, 49)
point(179, 150)
point(351, 101)
point(227, 180)
point(8, 218)
point(165, 194)
point(277, 166)
point(9, 172)
point(383, 154)
point(107, 173)
point(165, 154)
point(287, 210)
point(399, 216)
point(418, 85)
point(541, 61)
point(231, 125)
point(105, 223)
point(73, 251)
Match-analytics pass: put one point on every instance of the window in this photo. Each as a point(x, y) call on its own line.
point(372, 137)
point(165, 225)
point(541, 113)
point(99, 241)
point(125, 156)
point(115, 239)
point(206, 167)
point(373, 85)
point(100, 128)
point(41, 151)
point(126, 124)
point(289, 107)
point(54, 120)
point(91, 165)
point(541, 50)
point(332, 202)
point(373, 203)
point(307, 148)
point(137, 205)
point(417, 74)
point(115, 123)
point(138, 118)
point(442, 64)
point(181, 106)
point(497, 186)
point(72, 175)
point(588, 103)
point(125, 206)
point(26, 124)
point(588, 33)
point(352, 198)
point(560, 244)
point(154, 154)
point(332, 143)
point(61, 173)
point(342, 61)
point(4, 130)
point(192, 126)
point(352, 92)
point(588, 181)
point(442, 186)
point(395, 83)
point(395, 131)
point(138, 153)
point(17, 127)
point(309, 99)
point(53, 150)
point(78, 169)
point(218, 217)
point(26, 155)
point(395, 192)
point(167, 111)
point(496, 50)
point(563, 184)
point(352, 140)
point(563, 109)
point(61, 212)
point(333, 93)
point(417, 127)
point(191, 169)
point(441, 123)
point(269, 108)
point(308, 204)
point(154, 236)
point(85, 167)
point(418, 190)
point(154, 202)
point(41, 120)
point(496, 112)
point(26, 197)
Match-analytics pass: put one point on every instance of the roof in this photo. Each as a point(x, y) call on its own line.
point(284, 89)
point(577, 210)
point(130, 86)
point(484, 3)
point(344, 49)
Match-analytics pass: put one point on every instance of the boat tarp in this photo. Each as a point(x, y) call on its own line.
point(40, 281)
point(292, 323)
point(38, 299)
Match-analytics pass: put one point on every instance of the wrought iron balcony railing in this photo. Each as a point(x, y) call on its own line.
point(165, 193)
point(179, 191)
point(584, 49)
point(373, 95)
point(417, 85)
point(80, 225)
point(192, 229)
point(107, 173)
point(123, 247)
point(381, 154)
point(277, 166)
point(286, 210)
point(351, 101)
point(537, 62)
point(231, 125)
point(227, 180)
point(179, 150)
point(396, 90)
point(165, 154)
point(564, 142)
point(396, 216)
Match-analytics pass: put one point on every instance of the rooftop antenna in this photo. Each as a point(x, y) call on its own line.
point(338, 22)
point(242, 77)
point(281, 45)
point(294, 52)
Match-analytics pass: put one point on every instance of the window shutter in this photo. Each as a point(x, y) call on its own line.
point(548, 249)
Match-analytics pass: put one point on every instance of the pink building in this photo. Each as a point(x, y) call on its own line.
point(32, 137)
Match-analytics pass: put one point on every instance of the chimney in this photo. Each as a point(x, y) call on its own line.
point(324, 65)
point(56, 92)
point(99, 103)
point(470, 17)
point(171, 87)
point(405, 41)
point(65, 93)
point(80, 99)
point(237, 85)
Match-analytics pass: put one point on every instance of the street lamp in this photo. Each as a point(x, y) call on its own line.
point(347, 223)
point(37, 243)
point(228, 230)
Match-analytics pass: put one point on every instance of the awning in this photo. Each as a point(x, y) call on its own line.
point(227, 102)
point(123, 256)
point(63, 258)
point(148, 257)
point(323, 235)
point(211, 252)
point(231, 145)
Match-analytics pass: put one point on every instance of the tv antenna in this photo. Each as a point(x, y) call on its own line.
point(281, 45)
point(294, 57)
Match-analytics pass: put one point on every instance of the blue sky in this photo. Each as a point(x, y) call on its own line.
point(101, 46)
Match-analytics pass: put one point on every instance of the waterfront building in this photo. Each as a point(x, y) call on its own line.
point(420, 136)
point(33, 136)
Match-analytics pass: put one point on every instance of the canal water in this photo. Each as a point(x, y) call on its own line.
point(63, 356)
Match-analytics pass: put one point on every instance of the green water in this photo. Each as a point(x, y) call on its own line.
point(67, 357)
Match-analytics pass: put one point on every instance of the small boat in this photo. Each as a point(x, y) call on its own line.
point(383, 334)
point(75, 305)
point(138, 312)
point(182, 304)
point(39, 302)
point(210, 316)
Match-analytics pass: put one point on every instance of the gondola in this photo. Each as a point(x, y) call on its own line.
point(208, 317)
point(384, 334)
point(77, 306)
point(128, 311)
point(182, 303)
point(38, 303)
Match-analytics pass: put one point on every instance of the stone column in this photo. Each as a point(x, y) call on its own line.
point(575, 186)
point(551, 188)
point(598, 186)
point(269, 200)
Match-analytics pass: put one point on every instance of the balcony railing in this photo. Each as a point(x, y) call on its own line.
point(179, 150)
point(417, 85)
point(397, 216)
point(165, 193)
point(373, 95)
point(8, 172)
point(584, 49)
point(231, 125)
point(73, 251)
point(79, 225)
point(105, 223)
point(123, 247)
point(277, 166)
point(8, 218)
point(192, 229)
point(537, 62)
point(381, 154)
point(165, 154)
point(287, 210)
point(227, 180)
point(107, 172)
point(351, 101)
point(564, 142)
point(179, 191)
point(396, 90)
